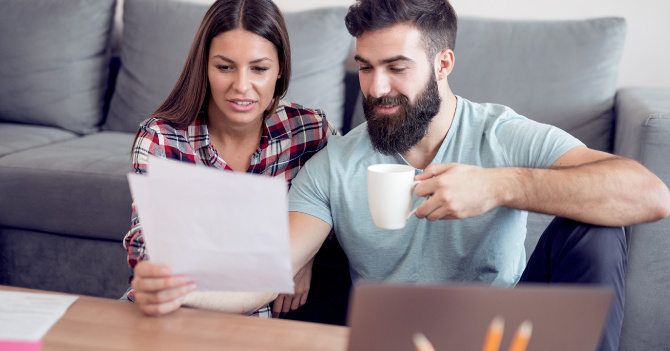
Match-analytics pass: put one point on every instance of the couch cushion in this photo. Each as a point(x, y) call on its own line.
point(75, 187)
point(157, 35)
point(558, 72)
point(62, 263)
point(17, 137)
point(320, 43)
point(54, 73)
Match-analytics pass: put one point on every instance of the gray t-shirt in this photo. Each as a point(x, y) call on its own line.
point(489, 248)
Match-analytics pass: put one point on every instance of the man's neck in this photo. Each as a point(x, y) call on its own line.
point(421, 154)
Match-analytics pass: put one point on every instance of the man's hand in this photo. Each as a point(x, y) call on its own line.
point(158, 292)
point(457, 191)
point(585, 185)
point(290, 302)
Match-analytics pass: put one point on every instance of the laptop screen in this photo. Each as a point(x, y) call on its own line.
point(457, 317)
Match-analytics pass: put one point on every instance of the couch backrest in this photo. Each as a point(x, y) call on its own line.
point(54, 60)
point(558, 72)
point(157, 35)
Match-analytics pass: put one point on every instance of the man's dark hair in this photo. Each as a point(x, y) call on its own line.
point(436, 20)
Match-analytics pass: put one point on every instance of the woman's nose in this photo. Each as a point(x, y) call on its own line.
point(242, 83)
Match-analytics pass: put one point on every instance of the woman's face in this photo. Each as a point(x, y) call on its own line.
point(243, 69)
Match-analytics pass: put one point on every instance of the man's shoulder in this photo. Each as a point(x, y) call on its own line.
point(344, 150)
point(488, 111)
point(355, 139)
point(485, 118)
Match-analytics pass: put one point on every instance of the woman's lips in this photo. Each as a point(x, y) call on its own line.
point(242, 105)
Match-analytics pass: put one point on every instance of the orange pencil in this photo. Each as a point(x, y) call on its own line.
point(522, 336)
point(494, 334)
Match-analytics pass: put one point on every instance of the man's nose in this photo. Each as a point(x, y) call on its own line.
point(380, 85)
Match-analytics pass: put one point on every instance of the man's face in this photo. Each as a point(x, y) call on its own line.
point(399, 86)
point(397, 132)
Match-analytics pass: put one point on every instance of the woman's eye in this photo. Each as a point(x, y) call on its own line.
point(260, 69)
point(223, 67)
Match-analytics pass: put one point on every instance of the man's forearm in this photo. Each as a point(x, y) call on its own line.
point(615, 192)
point(228, 301)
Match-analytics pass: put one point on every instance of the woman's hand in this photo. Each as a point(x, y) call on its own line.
point(157, 291)
point(290, 302)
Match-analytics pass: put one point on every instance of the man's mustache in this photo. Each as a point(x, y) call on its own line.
point(387, 100)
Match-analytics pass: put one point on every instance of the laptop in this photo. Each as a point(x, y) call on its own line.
point(456, 317)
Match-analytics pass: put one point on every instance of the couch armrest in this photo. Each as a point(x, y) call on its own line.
point(642, 129)
point(640, 115)
point(642, 132)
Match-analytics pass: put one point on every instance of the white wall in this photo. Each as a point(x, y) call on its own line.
point(646, 56)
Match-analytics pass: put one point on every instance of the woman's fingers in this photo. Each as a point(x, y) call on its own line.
point(157, 291)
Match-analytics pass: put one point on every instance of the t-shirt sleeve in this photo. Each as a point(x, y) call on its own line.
point(527, 143)
point(310, 192)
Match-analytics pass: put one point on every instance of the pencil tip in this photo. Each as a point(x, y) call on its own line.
point(526, 327)
point(421, 342)
point(498, 323)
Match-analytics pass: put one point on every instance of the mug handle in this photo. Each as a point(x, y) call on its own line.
point(411, 213)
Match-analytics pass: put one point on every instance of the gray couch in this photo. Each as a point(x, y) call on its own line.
point(70, 102)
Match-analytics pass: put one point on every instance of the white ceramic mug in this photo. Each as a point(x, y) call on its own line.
point(390, 189)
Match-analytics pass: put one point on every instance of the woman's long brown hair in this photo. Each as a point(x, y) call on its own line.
point(191, 92)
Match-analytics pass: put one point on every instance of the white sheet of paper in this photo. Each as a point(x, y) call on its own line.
point(226, 231)
point(29, 316)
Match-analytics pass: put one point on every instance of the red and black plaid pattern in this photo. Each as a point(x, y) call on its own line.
point(290, 137)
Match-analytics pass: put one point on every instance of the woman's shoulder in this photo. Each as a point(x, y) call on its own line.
point(294, 118)
point(291, 110)
point(159, 126)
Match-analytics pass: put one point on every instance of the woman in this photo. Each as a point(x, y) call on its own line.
point(225, 112)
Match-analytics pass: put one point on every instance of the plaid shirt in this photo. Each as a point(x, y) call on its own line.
point(290, 137)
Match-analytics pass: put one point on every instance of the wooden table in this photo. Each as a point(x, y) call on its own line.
point(94, 323)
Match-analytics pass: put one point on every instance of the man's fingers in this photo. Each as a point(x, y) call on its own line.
point(433, 170)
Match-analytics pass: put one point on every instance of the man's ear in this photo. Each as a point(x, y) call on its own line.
point(444, 63)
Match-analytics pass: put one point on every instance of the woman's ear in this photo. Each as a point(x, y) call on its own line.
point(444, 63)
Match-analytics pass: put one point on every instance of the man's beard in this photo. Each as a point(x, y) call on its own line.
point(399, 131)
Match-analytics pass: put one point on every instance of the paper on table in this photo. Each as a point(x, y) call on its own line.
point(226, 231)
point(28, 316)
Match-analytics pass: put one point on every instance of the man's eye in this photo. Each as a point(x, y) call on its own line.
point(364, 69)
point(398, 69)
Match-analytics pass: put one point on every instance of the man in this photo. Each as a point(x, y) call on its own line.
point(482, 167)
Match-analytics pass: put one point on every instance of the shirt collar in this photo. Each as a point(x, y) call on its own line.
point(276, 127)
point(198, 136)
